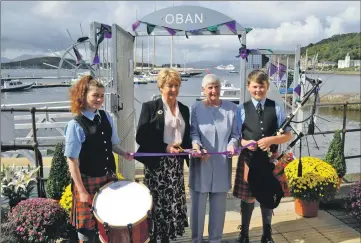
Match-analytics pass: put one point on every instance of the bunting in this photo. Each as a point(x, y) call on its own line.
point(282, 70)
point(78, 56)
point(82, 39)
point(170, 31)
point(297, 90)
point(272, 69)
point(150, 28)
point(248, 30)
point(104, 32)
point(244, 52)
point(135, 25)
point(232, 26)
point(213, 29)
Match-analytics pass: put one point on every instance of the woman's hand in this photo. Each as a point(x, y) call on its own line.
point(230, 150)
point(173, 148)
point(264, 143)
point(197, 152)
point(246, 142)
point(84, 197)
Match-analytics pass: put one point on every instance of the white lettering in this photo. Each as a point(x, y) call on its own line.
point(179, 18)
point(200, 19)
point(172, 19)
point(189, 18)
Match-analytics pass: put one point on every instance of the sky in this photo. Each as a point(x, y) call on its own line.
point(36, 27)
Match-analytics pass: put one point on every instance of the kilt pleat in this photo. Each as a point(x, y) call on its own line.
point(80, 215)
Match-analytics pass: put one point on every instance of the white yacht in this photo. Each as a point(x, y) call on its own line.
point(228, 91)
point(229, 67)
point(139, 79)
point(9, 85)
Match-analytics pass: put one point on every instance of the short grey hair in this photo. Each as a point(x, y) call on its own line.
point(211, 79)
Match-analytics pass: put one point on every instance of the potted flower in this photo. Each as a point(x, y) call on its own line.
point(17, 183)
point(318, 183)
point(38, 220)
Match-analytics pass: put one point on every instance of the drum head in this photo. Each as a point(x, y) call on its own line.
point(121, 203)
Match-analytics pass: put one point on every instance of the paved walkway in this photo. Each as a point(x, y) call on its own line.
point(287, 226)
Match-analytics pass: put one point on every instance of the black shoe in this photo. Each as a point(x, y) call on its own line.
point(153, 239)
point(267, 236)
point(165, 240)
point(243, 236)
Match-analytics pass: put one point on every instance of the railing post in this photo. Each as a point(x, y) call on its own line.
point(344, 125)
point(40, 173)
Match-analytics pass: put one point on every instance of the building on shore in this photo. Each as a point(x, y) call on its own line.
point(326, 64)
point(347, 63)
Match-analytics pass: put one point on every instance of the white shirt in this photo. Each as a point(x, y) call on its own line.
point(174, 126)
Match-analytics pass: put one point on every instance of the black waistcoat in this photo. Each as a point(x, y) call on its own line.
point(256, 127)
point(96, 157)
point(264, 186)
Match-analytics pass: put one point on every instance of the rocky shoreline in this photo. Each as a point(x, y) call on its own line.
point(335, 72)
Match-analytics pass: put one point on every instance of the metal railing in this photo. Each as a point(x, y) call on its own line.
point(344, 128)
point(35, 146)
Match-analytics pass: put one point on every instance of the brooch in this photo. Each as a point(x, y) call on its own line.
point(160, 112)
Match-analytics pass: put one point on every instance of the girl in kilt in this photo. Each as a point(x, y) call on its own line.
point(90, 141)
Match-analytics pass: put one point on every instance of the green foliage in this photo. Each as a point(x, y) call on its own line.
point(336, 47)
point(59, 176)
point(335, 155)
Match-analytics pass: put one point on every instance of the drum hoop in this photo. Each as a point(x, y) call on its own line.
point(119, 227)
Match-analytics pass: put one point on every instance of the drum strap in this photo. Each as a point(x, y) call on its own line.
point(106, 228)
point(94, 219)
point(150, 223)
point(130, 232)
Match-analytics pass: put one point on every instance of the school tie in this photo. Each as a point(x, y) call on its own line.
point(96, 119)
point(259, 108)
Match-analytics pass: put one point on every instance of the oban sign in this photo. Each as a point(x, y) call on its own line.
point(186, 18)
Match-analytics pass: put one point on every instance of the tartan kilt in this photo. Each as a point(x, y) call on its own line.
point(241, 188)
point(80, 215)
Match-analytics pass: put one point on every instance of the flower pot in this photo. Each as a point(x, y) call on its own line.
point(307, 209)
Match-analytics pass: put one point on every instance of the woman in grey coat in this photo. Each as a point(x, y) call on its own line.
point(213, 129)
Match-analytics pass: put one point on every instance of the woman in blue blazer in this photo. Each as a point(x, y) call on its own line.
point(213, 129)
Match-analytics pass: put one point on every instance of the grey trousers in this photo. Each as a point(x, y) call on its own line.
point(217, 213)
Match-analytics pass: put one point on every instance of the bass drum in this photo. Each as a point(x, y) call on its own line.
point(122, 211)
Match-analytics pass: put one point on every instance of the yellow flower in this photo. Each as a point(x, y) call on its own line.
point(316, 174)
point(66, 199)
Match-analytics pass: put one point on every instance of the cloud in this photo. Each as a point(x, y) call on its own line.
point(36, 27)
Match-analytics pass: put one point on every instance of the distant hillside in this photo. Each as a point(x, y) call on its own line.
point(37, 63)
point(335, 48)
point(4, 59)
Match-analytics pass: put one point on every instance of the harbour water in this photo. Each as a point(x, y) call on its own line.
point(329, 119)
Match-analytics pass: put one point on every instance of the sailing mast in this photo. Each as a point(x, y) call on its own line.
point(135, 46)
point(155, 9)
point(171, 49)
